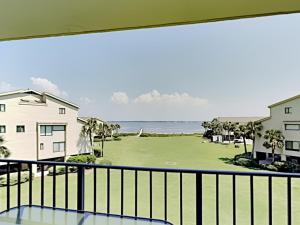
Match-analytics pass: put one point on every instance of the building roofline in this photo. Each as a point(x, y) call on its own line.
point(39, 93)
point(78, 118)
point(284, 101)
point(234, 117)
point(85, 119)
point(61, 100)
point(239, 118)
point(263, 119)
point(19, 92)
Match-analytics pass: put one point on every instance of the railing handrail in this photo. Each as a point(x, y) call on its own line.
point(169, 170)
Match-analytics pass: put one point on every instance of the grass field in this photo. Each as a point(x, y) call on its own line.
point(173, 152)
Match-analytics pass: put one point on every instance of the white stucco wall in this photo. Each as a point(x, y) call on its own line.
point(277, 122)
point(30, 114)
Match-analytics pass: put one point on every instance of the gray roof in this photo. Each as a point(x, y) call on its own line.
point(284, 101)
point(86, 118)
point(241, 120)
point(30, 91)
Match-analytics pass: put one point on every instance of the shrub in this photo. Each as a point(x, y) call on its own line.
point(244, 155)
point(208, 134)
point(166, 135)
point(116, 137)
point(285, 166)
point(14, 179)
point(271, 168)
point(127, 134)
point(73, 169)
point(278, 166)
point(59, 170)
point(97, 152)
point(244, 162)
point(89, 159)
point(281, 166)
point(97, 139)
point(291, 167)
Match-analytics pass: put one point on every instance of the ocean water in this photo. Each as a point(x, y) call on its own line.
point(170, 127)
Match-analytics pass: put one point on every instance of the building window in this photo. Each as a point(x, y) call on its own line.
point(288, 110)
point(20, 129)
point(46, 130)
point(2, 129)
point(292, 126)
point(58, 146)
point(41, 146)
point(2, 107)
point(62, 111)
point(292, 145)
point(58, 128)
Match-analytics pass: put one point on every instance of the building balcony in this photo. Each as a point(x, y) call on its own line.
point(97, 194)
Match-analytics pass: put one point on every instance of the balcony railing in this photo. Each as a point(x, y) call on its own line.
point(132, 191)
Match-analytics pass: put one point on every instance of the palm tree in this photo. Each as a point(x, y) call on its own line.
point(232, 128)
point(103, 130)
point(242, 132)
point(89, 129)
point(227, 127)
point(254, 129)
point(114, 128)
point(4, 152)
point(274, 139)
point(117, 127)
point(216, 127)
point(206, 125)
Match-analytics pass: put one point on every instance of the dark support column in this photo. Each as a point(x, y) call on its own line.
point(80, 188)
point(199, 199)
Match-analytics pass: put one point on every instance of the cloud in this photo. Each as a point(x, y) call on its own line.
point(120, 98)
point(179, 99)
point(43, 84)
point(5, 87)
point(154, 105)
point(86, 100)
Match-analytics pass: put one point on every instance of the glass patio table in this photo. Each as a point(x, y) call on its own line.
point(36, 215)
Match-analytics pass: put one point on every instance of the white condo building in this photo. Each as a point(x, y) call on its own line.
point(284, 116)
point(41, 126)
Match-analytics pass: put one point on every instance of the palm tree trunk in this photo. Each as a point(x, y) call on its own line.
point(273, 154)
point(245, 144)
point(91, 142)
point(253, 148)
point(102, 147)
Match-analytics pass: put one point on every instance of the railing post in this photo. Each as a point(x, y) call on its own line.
point(289, 198)
point(8, 186)
point(198, 198)
point(80, 188)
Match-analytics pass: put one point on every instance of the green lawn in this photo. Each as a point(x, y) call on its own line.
point(173, 152)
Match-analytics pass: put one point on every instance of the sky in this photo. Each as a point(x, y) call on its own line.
point(191, 72)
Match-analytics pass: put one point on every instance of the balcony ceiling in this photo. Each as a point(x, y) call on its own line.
point(21, 19)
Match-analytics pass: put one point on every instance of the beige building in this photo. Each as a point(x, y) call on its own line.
point(284, 116)
point(41, 126)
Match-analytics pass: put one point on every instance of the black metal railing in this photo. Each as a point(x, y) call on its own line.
point(138, 173)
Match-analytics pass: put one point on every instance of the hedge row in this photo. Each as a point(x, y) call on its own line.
point(89, 159)
point(167, 135)
point(277, 166)
point(14, 178)
point(60, 170)
point(127, 134)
